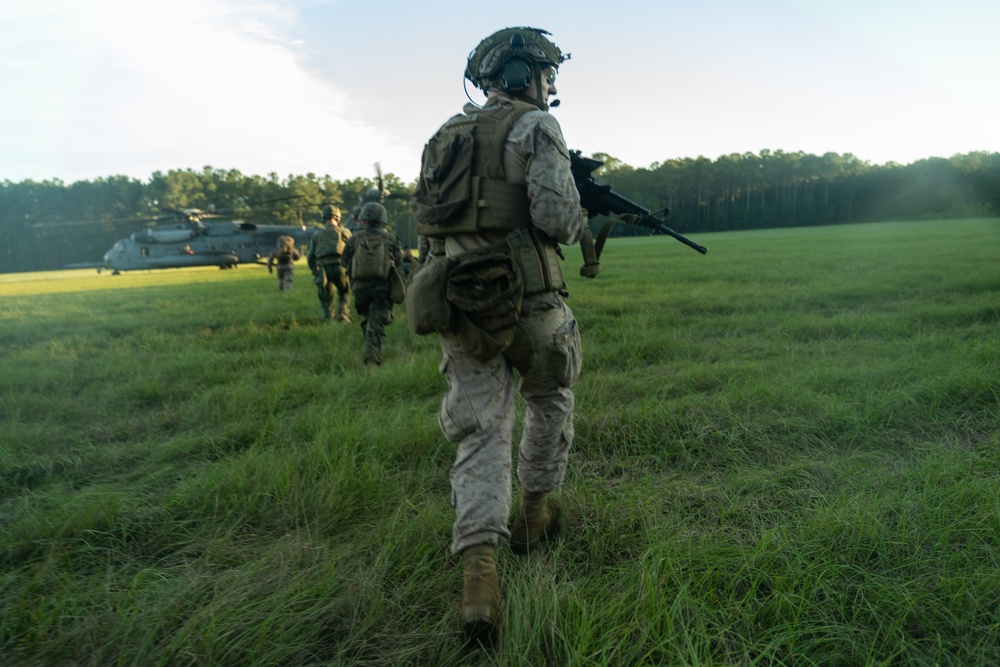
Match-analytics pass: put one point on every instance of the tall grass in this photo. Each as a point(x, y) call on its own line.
point(787, 453)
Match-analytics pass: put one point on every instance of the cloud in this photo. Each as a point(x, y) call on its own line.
point(105, 87)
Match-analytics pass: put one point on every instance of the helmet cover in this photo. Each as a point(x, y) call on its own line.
point(529, 44)
point(373, 212)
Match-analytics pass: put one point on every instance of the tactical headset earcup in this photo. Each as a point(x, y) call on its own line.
point(516, 74)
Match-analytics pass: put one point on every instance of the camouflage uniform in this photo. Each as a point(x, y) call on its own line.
point(329, 274)
point(285, 266)
point(371, 297)
point(477, 413)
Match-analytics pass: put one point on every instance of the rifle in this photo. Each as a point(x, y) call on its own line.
point(601, 200)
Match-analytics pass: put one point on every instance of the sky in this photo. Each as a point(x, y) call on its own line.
point(99, 88)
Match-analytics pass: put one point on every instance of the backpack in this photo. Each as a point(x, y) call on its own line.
point(371, 259)
point(286, 249)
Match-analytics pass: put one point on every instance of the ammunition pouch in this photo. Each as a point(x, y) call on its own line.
point(537, 257)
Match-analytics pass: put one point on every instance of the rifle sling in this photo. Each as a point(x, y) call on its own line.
point(602, 236)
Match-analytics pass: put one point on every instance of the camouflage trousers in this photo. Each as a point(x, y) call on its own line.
point(477, 413)
point(286, 276)
point(371, 299)
point(337, 286)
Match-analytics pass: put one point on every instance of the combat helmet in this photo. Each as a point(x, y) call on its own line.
point(331, 211)
point(487, 62)
point(373, 213)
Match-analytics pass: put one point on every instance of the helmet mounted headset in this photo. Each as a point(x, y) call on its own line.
point(507, 59)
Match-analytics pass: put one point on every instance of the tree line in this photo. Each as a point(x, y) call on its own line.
point(50, 224)
point(778, 189)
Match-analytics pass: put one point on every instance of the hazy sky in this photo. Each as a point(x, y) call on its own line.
point(95, 88)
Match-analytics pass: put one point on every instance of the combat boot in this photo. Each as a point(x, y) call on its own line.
point(371, 356)
point(537, 520)
point(480, 594)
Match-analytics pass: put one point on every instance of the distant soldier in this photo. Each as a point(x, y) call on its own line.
point(408, 260)
point(330, 274)
point(370, 256)
point(428, 248)
point(284, 255)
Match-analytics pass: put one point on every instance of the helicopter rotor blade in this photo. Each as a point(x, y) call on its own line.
point(381, 182)
point(255, 204)
point(76, 223)
point(167, 215)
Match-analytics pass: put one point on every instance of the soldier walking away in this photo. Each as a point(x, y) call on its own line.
point(329, 273)
point(371, 255)
point(284, 255)
point(428, 248)
point(505, 284)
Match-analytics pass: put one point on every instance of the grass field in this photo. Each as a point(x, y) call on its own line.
point(787, 453)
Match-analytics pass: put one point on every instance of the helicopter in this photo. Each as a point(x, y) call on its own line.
point(197, 239)
point(199, 242)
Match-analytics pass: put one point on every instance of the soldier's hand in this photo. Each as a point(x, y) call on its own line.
point(630, 218)
point(270, 270)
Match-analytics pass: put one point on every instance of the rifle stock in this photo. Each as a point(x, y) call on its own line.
point(602, 200)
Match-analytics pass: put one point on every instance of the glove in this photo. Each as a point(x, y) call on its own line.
point(630, 218)
point(270, 270)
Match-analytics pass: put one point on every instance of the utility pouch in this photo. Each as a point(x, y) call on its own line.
point(397, 285)
point(487, 291)
point(427, 307)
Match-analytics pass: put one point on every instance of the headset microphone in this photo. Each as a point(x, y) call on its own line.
point(554, 103)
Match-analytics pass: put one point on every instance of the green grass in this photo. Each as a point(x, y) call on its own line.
point(787, 453)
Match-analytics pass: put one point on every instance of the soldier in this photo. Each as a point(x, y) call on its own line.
point(324, 259)
point(370, 256)
point(284, 254)
point(505, 282)
point(408, 262)
point(428, 248)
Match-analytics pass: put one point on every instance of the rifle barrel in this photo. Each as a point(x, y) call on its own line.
point(659, 226)
point(625, 205)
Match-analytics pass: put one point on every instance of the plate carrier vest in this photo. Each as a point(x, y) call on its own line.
point(462, 189)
